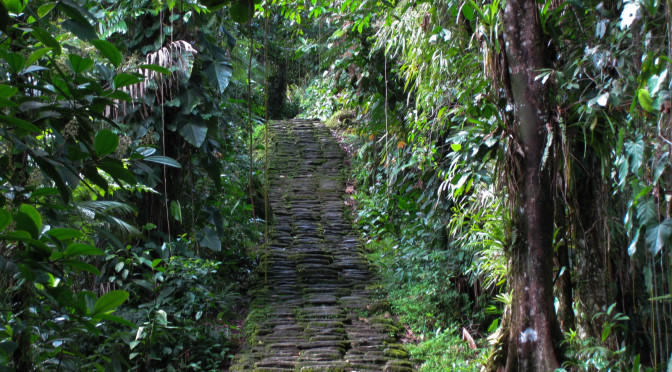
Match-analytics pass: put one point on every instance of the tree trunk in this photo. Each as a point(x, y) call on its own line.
point(534, 328)
point(592, 289)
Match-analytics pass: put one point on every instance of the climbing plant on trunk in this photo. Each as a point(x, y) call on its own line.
point(534, 328)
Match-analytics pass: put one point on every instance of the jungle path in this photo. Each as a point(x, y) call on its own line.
point(313, 313)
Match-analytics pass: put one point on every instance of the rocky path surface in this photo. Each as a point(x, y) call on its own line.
point(314, 312)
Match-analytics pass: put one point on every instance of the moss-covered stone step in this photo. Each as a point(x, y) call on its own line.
point(310, 314)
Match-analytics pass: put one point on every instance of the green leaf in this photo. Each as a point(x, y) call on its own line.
point(51, 171)
point(242, 11)
point(65, 234)
point(117, 319)
point(15, 61)
point(91, 174)
point(606, 331)
point(14, 6)
point(29, 219)
point(219, 73)
point(4, 21)
point(46, 39)
point(83, 266)
point(120, 95)
point(44, 9)
point(155, 68)
point(5, 219)
point(36, 55)
point(108, 50)
point(194, 134)
point(645, 100)
point(163, 160)
point(123, 79)
point(658, 236)
point(176, 210)
point(79, 64)
point(456, 146)
point(117, 170)
point(81, 249)
point(83, 31)
point(105, 142)
point(20, 123)
point(109, 302)
point(209, 239)
point(7, 91)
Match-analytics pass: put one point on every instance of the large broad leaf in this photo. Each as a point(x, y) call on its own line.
point(209, 239)
point(79, 64)
point(29, 219)
point(123, 79)
point(83, 31)
point(194, 133)
point(46, 39)
point(14, 6)
point(106, 142)
point(65, 234)
point(219, 73)
point(164, 160)
point(5, 219)
point(117, 170)
point(108, 302)
point(4, 18)
point(108, 50)
point(242, 11)
point(659, 236)
point(116, 319)
point(51, 171)
point(81, 249)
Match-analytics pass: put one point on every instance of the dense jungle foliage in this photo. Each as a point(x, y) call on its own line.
point(132, 174)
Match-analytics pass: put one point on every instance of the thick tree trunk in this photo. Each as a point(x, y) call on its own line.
point(592, 289)
point(534, 327)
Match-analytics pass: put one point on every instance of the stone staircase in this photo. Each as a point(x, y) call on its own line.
point(314, 313)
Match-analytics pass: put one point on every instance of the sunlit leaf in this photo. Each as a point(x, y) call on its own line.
point(109, 302)
point(105, 142)
point(109, 51)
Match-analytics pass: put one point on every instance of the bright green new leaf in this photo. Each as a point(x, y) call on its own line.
point(108, 50)
point(44, 9)
point(456, 146)
point(109, 302)
point(14, 6)
point(105, 142)
point(645, 100)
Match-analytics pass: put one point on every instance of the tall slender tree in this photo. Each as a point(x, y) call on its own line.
point(534, 327)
